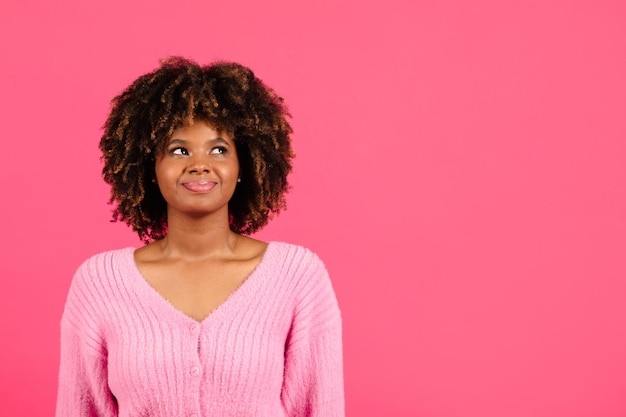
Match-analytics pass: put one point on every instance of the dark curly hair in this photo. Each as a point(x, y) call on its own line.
point(227, 95)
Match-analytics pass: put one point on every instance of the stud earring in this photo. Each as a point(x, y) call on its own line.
point(238, 179)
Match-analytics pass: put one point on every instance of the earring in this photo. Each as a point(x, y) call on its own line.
point(153, 181)
point(238, 179)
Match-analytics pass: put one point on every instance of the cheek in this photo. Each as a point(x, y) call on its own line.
point(164, 167)
point(227, 169)
point(164, 176)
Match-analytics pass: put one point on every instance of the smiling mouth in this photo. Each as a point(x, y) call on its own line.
point(201, 186)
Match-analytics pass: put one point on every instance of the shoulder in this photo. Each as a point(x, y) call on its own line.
point(289, 253)
point(106, 260)
point(294, 261)
point(315, 306)
point(299, 266)
point(103, 266)
point(94, 287)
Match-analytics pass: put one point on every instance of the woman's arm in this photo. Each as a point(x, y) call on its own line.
point(83, 388)
point(313, 380)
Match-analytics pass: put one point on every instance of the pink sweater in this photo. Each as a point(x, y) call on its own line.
point(273, 348)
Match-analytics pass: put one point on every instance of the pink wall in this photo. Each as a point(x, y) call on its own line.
point(461, 170)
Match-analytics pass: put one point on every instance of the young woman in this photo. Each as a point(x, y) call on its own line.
point(202, 320)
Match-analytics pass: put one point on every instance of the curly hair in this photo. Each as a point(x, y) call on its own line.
point(227, 95)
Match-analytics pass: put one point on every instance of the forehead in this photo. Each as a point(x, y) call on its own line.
point(199, 129)
point(215, 124)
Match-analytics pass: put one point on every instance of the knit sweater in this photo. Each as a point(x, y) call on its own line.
point(273, 348)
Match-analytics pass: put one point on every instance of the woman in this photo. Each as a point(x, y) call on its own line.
point(202, 320)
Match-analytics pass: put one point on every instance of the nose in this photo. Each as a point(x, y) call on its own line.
point(198, 165)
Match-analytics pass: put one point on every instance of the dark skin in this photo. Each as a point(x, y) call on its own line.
point(201, 261)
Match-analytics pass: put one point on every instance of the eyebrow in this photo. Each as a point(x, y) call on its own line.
point(218, 139)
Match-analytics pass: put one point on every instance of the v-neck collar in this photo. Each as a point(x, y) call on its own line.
point(166, 309)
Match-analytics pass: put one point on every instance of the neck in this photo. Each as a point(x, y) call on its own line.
point(198, 237)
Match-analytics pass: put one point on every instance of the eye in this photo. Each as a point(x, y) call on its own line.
point(218, 150)
point(179, 151)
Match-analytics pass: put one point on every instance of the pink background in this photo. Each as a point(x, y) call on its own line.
point(460, 170)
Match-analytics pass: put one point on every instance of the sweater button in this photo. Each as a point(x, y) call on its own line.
point(195, 370)
point(194, 327)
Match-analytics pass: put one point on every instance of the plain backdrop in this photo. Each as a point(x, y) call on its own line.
point(460, 169)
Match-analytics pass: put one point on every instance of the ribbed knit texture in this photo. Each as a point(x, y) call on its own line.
point(272, 349)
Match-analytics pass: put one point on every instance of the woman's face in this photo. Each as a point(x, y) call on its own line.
point(197, 171)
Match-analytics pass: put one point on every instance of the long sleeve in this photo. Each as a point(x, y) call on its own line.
point(83, 389)
point(313, 378)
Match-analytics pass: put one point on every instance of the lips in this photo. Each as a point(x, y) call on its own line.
point(200, 186)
